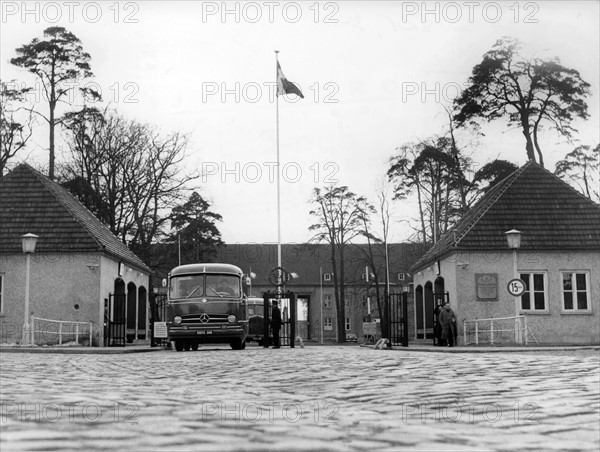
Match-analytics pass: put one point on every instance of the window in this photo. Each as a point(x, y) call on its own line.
point(213, 285)
point(1, 293)
point(326, 276)
point(327, 301)
point(348, 324)
point(575, 293)
point(328, 324)
point(534, 298)
point(401, 276)
point(347, 300)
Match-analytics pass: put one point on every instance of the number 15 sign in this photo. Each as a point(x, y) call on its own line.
point(516, 287)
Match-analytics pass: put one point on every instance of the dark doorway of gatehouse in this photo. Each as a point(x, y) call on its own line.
point(115, 316)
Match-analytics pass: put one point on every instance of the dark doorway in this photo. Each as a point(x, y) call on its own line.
point(428, 310)
point(142, 312)
point(115, 314)
point(419, 321)
point(131, 311)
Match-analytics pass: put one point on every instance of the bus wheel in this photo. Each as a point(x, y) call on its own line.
point(179, 346)
point(186, 346)
point(195, 346)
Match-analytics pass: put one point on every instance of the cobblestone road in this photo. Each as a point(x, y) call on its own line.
point(316, 398)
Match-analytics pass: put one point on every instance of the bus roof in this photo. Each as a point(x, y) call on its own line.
point(207, 268)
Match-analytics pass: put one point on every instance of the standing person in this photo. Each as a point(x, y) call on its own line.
point(276, 324)
point(448, 321)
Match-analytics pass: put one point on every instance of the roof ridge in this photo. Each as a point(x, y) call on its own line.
point(51, 185)
point(572, 188)
point(103, 237)
point(499, 191)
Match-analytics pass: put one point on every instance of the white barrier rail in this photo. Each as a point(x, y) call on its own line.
point(498, 330)
point(60, 331)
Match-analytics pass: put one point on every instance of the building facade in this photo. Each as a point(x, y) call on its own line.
point(76, 271)
point(558, 262)
point(314, 284)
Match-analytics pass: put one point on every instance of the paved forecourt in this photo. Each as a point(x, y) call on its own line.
point(319, 398)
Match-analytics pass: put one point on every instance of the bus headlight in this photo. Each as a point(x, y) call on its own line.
point(231, 319)
point(177, 320)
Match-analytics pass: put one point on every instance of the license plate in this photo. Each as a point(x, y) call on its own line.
point(203, 332)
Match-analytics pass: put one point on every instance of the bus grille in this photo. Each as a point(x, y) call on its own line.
point(200, 318)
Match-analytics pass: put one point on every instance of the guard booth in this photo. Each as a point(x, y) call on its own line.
point(398, 318)
point(287, 305)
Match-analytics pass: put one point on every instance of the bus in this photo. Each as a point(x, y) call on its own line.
point(206, 305)
point(256, 318)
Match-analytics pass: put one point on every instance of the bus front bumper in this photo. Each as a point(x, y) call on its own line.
point(201, 332)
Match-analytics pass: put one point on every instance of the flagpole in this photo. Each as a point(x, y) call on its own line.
point(280, 276)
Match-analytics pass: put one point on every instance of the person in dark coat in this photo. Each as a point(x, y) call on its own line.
point(448, 322)
point(276, 324)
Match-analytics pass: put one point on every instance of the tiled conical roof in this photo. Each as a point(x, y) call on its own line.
point(32, 203)
point(550, 214)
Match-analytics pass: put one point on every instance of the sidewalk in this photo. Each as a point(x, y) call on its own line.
point(487, 348)
point(77, 350)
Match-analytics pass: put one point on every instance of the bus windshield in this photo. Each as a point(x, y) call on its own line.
point(210, 285)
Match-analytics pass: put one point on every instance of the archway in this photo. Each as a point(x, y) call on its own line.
point(428, 310)
point(115, 315)
point(419, 313)
point(131, 312)
point(142, 313)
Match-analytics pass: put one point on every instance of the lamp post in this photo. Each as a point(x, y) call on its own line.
point(513, 237)
point(28, 241)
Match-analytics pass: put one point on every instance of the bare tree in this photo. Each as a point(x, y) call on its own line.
point(136, 170)
point(581, 167)
point(339, 219)
point(14, 132)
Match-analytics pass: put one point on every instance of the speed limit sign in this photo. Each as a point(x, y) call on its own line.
point(516, 287)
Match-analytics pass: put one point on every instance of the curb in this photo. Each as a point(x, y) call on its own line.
point(81, 350)
point(460, 349)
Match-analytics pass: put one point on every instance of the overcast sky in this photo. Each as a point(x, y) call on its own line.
point(375, 75)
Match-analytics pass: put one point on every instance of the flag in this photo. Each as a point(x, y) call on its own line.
point(284, 86)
